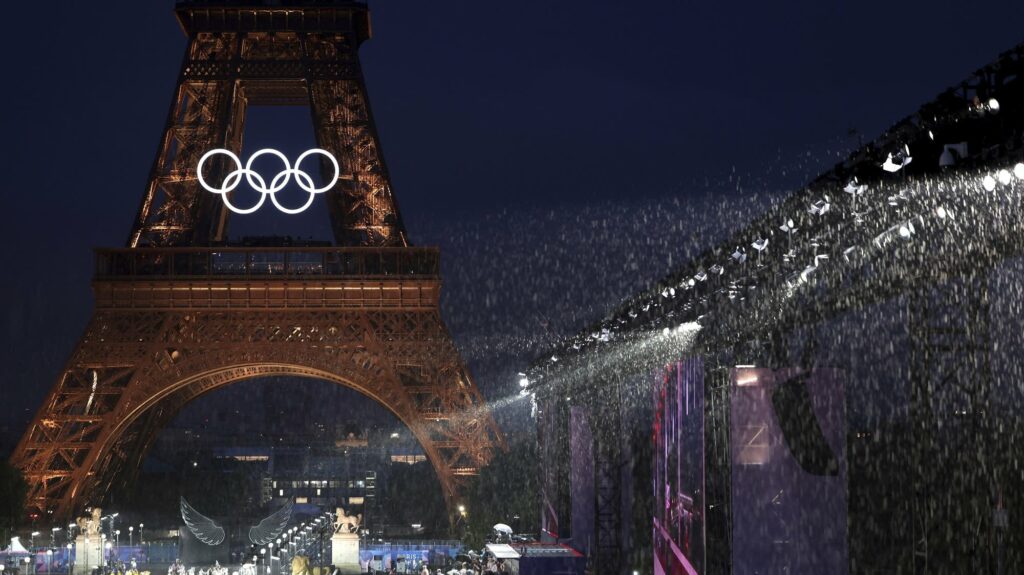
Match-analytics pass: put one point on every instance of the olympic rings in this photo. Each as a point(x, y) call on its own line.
point(256, 181)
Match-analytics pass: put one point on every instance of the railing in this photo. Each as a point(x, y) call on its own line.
point(304, 262)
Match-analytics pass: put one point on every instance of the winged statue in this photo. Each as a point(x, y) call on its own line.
point(207, 530)
point(272, 526)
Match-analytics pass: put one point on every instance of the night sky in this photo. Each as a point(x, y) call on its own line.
point(494, 117)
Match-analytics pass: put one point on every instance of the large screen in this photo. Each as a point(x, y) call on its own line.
point(679, 534)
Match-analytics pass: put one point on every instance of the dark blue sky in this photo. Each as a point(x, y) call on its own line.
point(484, 109)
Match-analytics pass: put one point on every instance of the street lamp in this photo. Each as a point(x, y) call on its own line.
point(32, 540)
point(49, 559)
point(67, 559)
point(117, 538)
point(131, 532)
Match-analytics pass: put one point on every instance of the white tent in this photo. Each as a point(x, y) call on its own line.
point(502, 551)
point(15, 548)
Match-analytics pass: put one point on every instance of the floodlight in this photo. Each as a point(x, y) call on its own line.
point(854, 188)
point(896, 161)
point(819, 208)
point(1003, 176)
point(989, 183)
point(1018, 171)
point(952, 153)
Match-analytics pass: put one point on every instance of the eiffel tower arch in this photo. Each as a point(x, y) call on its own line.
point(180, 312)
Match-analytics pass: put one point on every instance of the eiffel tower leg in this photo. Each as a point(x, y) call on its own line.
point(207, 113)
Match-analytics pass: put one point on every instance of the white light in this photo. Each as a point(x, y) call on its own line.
point(989, 183)
point(892, 165)
point(665, 331)
point(818, 208)
point(1018, 171)
point(941, 212)
point(993, 105)
point(523, 380)
point(854, 188)
point(258, 183)
point(394, 435)
point(1003, 176)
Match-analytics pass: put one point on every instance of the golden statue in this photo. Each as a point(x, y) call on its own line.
point(300, 565)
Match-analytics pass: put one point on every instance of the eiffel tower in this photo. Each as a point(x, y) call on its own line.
point(179, 312)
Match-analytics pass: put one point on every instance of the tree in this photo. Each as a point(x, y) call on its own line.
point(506, 491)
point(13, 491)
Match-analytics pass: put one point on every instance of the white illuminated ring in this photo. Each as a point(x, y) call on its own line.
point(256, 181)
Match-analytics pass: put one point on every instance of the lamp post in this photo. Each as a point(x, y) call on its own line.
point(67, 559)
point(53, 536)
point(32, 540)
point(49, 560)
point(28, 561)
point(131, 532)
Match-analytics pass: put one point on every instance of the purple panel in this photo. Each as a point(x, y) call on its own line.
point(679, 534)
point(581, 443)
point(786, 518)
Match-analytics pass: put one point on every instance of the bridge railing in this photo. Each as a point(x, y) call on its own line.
point(266, 262)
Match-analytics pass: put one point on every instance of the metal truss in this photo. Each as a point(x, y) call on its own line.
point(134, 368)
point(609, 466)
point(239, 57)
point(952, 465)
point(851, 254)
point(176, 319)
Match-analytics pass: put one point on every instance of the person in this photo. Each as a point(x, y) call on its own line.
point(424, 570)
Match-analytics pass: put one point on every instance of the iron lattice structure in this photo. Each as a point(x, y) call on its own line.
point(176, 318)
point(283, 55)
